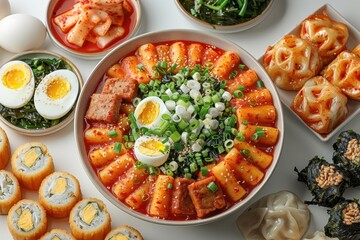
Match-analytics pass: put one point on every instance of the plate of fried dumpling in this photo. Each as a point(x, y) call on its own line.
point(316, 68)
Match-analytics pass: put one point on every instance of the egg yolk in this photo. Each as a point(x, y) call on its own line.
point(16, 76)
point(149, 112)
point(58, 88)
point(152, 148)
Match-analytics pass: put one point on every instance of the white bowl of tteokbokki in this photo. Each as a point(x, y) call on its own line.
point(179, 127)
point(89, 28)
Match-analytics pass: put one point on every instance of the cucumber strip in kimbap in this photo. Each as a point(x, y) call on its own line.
point(344, 220)
point(58, 194)
point(347, 154)
point(57, 234)
point(325, 181)
point(10, 192)
point(124, 232)
point(27, 220)
point(31, 163)
point(89, 219)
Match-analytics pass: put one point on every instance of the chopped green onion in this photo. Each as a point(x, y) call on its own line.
point(141, 67)
point(204, 171)
point(245, 152)
point(241, 66)
point(212, 186)
point(139, 164)
point(188, 175)
point(260, 84)
point(193, 167)
point(117, 147)
point(169, 185)
point(175, 136)
point(112, 133)
point(238, 94)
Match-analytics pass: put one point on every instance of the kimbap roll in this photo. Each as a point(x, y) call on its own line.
point(89, 219)
point(124, 232)
point(58, 194)
point(5, 152)
point(10, 192)
point(31, 163)
point(57, 234)
point(27, 220)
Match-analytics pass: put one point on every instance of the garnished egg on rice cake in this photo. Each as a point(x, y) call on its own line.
point(10, 192)
point(27, 220)
point(89, 219)
point(58, 194)
point(31, 163)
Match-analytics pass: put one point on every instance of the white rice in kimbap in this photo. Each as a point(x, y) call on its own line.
point(57, 234)
point(31, 163)
point(10, 192)
point(89, 219)
point(124, 232)
point(27, 220)
point(58, 194)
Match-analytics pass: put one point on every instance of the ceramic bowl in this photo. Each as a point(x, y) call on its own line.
point(89, 51)
point(129, 47)
point(225, 29)
point(68, 117)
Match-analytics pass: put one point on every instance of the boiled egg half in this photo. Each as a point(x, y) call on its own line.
point(151, 150)
point(56, 94)
point(149, 111)
point(17, 84)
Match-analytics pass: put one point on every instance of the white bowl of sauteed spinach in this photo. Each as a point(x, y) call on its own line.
point(26, 118)
point(226, 16)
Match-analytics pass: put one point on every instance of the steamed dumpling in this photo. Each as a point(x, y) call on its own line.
point(280, 215)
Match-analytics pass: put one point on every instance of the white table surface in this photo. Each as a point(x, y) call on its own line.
point(300, 145)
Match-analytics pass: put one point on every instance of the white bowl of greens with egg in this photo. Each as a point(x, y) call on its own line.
point(38, 92)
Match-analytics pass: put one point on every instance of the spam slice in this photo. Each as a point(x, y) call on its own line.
point(58, 194)
point(27, 220)
point(124, 232)
point(89, 219)
point(31, 163)
point(10, 192)
point(5, 152)
point(57, 234)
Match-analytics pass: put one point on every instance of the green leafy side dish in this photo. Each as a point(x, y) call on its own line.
point(344, 221)
point(27, 117)
point(326, 182)
point(347, 154)
point(225, 12)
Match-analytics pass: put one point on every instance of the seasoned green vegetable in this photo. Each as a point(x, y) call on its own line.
point(225, 12)
point(344, 221)
point(347, 154)
point(325, 181)
point(27, 117)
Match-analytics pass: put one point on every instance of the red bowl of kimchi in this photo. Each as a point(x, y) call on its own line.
point(190, 187)
point(90, 29)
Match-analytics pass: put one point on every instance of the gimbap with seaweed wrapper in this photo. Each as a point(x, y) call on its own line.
point(326, 182)
point(347, 154)
point(344, 220)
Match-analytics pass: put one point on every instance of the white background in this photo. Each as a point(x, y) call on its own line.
point(300, 145)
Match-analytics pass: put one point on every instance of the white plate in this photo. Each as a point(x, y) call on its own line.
point(286, 97)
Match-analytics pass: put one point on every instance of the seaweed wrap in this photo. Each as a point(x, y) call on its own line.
point(347, 155)
point(344, 220)
point(326, 182)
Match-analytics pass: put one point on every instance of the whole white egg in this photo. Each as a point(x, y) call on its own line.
point(149, 112)
point(151, 150)
point(56, 94)
point(4, 8)
point(17, 84)
point(21, 32)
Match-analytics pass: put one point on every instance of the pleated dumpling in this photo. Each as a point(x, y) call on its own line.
point(280, 215)
point(291, 62)
point(321, 105)
point(329, 36)
point(343, 72)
